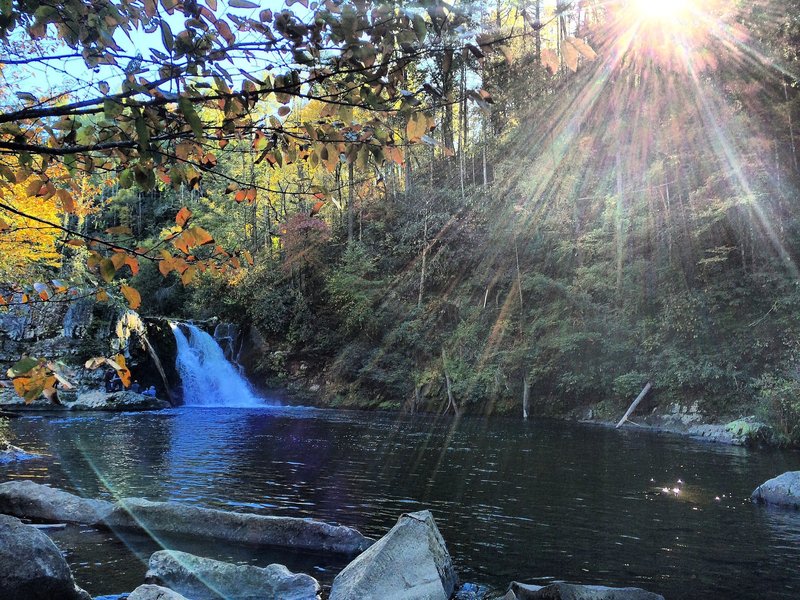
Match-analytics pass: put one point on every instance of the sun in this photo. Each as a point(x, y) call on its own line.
point(661, 10)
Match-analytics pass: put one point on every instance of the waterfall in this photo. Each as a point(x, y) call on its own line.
point(208, 379)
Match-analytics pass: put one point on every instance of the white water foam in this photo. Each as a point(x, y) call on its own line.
point(208, 379)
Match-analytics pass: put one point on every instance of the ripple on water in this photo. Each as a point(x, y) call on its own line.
point(515, 501)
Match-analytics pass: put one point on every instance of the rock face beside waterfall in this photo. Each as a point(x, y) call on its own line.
point(411, 562)
point(31, 500)
point(206, 579)
point(31, 566)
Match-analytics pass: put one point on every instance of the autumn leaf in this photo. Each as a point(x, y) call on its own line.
point(184, 214)
point(550, 60)
point(570, 55)
point(132, 296)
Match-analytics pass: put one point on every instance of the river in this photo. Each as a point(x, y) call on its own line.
point(531, 502)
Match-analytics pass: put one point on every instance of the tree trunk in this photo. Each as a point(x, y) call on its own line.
point(424, 260)
point(350, 204)
point(526, 396)
point(451, 401)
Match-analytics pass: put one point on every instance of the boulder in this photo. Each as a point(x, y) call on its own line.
point(410, 562)
point(201, 578)
point(31, 566)
point(783, 490)
point(116, 401)
point(569, 591)
point(149, 591)
point(43, 503)
point(187, 520)
point(9, 453)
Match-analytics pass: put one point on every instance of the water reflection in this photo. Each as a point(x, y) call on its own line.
point(522, 501)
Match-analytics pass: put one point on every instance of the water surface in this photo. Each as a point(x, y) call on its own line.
point(530, 502)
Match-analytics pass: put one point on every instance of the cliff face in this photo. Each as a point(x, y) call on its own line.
point(71, 333)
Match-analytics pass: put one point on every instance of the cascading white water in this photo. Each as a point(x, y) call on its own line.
point(207, 377)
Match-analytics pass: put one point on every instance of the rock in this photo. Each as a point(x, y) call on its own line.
point(43, 503)
point(286, 532)
point(116, 401)
point(31, 566)
point(410, 562)
point(149, 591)
point(88, 400)
point(783, 490)
point(568, 591)
point(205, 579)
point(9, 453)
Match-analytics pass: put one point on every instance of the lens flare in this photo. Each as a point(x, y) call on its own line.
point(661, 10)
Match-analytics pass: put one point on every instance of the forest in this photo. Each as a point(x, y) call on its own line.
point(462, 207)
point(399, 299)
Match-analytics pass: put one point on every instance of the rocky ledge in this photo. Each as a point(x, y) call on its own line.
point(123, 401)
point(783, 490)
point(38, 502)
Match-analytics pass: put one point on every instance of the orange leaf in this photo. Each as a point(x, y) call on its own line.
point(184, 214)
point(132, 296)
point(67, 203)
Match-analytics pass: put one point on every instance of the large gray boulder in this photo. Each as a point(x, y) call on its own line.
point(187, 520)
point(569, 591)
point(149, 591)
point(43, 503)
point(31, 566)
point(410, 562)
point(783, 490)
point(201, 578)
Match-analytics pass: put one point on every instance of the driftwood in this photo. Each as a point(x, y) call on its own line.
point(633, 406)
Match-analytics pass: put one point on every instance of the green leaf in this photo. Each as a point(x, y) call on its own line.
point(22, 366)
point(242, 4)
point(420, 28)
point(112, 109)
point(167, 37)
point(188, 111)
point(107, 269)
point(126, 179)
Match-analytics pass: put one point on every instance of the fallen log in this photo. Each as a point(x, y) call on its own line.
point(633, 406)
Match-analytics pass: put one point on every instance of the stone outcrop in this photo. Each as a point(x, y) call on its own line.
point(150, 591)
point(411, 562)
point(122, 401)
point(783, 490)
point(568, 591)
point(201, 578)
point(41, 502)
point(117, 401)
point(31, 566)
point(286, 532)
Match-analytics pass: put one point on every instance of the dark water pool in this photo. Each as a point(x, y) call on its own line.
point(519, 501)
